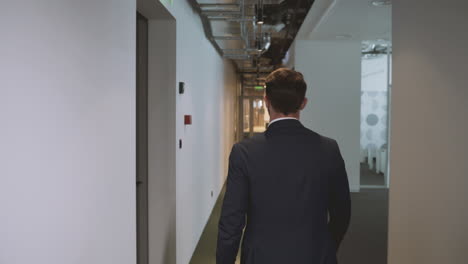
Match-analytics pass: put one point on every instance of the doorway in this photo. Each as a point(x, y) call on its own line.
point(156, 133)
point(375, 113)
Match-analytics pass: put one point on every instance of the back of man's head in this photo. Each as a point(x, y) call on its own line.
point(286, 89)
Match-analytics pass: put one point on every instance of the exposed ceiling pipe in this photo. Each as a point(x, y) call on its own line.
point(250, 32)
point(206, 26)
point(291, 24)
point(263, 43)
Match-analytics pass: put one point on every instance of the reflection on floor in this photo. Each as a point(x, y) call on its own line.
point(365, 243)
point(370, 177)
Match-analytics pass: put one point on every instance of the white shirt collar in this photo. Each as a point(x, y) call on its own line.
point(281, 118)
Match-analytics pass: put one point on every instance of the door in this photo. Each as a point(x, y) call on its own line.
point(142, 138)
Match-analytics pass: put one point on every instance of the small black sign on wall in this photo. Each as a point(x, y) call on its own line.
point(181, 87)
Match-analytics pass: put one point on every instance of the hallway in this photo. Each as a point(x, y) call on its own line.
point(365, 242)
point(118, 118)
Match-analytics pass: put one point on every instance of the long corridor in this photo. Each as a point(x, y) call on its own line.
point(365, 242)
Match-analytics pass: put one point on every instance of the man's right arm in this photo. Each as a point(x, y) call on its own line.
point(234, 210)
point(339, 207)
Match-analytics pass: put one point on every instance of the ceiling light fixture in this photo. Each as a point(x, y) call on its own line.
point(259, 12)
point(344, 36)
point(381, 3)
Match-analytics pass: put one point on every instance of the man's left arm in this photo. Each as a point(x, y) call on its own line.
point(234, 209)
point(340, 199)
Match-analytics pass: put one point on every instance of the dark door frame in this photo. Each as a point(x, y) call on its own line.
point(142, 139)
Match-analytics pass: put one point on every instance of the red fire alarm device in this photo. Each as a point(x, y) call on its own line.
point(187, 119)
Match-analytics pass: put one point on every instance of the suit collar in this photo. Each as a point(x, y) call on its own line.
point(284, 123)
point(279, 119)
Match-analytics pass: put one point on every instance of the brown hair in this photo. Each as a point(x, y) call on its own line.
point(286, 90)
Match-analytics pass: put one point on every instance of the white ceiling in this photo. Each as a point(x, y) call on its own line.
point(346, 19)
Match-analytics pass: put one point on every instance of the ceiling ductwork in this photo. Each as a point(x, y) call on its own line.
point(255, 34)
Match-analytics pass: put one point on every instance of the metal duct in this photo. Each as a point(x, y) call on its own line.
point(256, 45)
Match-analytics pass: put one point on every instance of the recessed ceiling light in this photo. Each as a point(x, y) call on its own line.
point(380, 3)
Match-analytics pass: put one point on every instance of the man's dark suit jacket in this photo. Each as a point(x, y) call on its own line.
point(289, 189)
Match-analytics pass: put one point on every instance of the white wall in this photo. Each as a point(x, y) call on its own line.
point(201, 165)
point(210, 97)
point(68, 155)
point(428, 200)
point(332, 70)
point(67, 137)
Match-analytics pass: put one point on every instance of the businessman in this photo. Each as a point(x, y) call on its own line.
point(287, 187)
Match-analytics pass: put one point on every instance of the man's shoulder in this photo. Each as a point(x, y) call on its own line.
point(256, 140)
point(327, 141)
point(324, 140)
point(327, 144)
